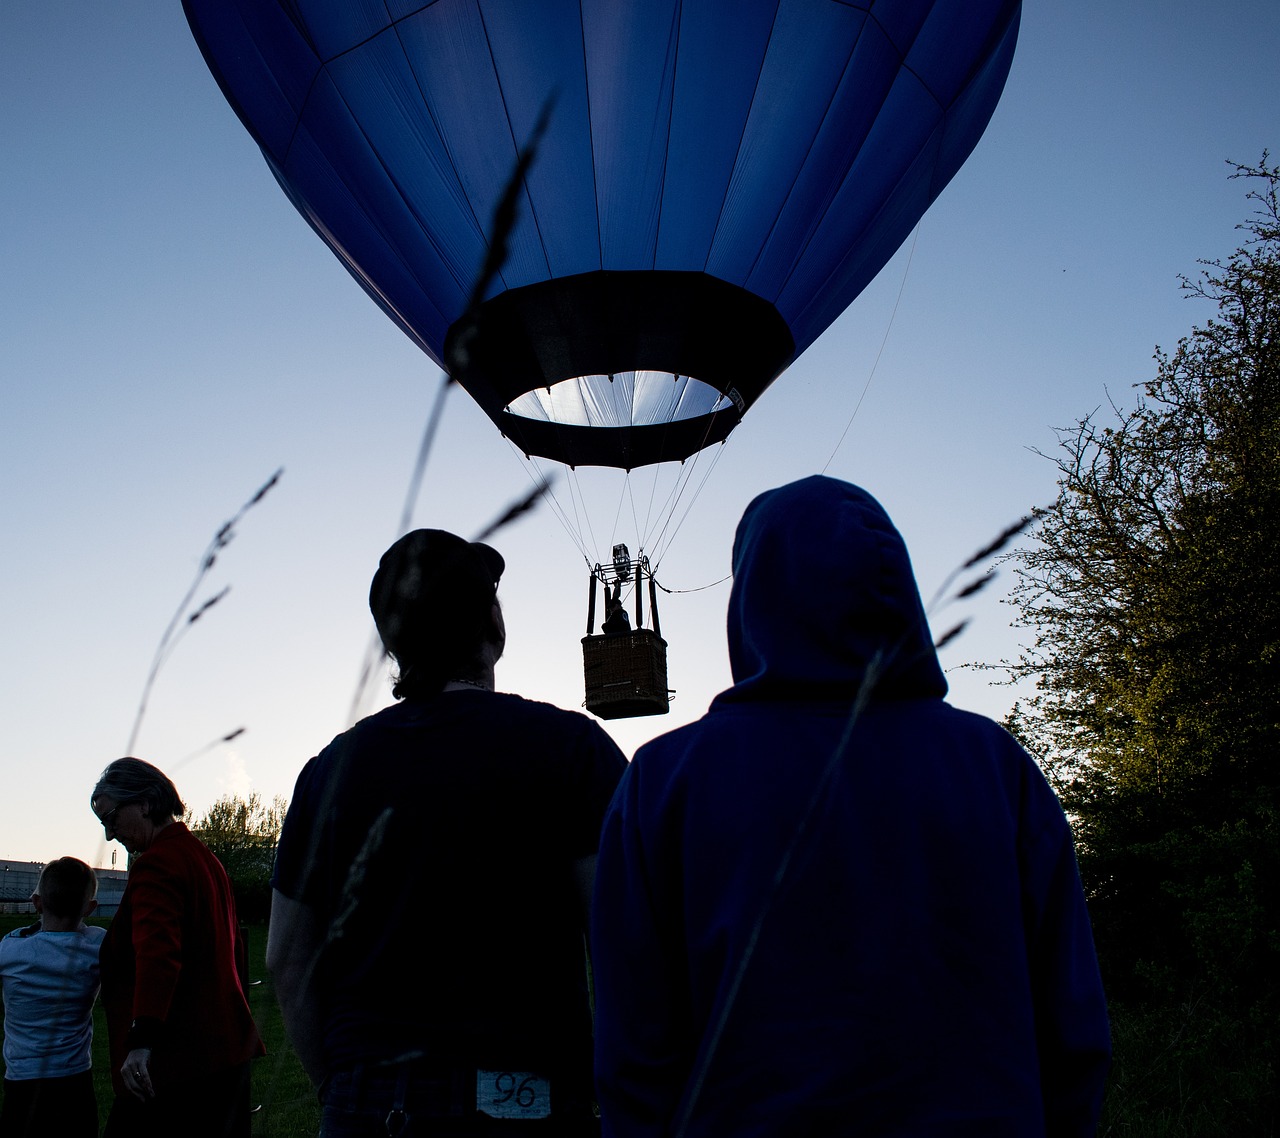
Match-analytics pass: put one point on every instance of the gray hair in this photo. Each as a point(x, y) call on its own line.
point(132, 780)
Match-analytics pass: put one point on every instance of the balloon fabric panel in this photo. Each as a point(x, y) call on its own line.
point(802, 144)
point(629, 136)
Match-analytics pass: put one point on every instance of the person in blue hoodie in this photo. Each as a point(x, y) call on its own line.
point(836, 905)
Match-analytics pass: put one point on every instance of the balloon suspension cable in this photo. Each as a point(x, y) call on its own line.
point(665, 540)
point(575, 515)
point(884, 340)
point(572, 520)
point(696, 588)
point(688, 467)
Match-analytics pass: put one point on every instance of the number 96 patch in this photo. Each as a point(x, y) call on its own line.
point(513, 1094)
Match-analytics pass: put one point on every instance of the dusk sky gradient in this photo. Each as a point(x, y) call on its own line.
point(172, 332)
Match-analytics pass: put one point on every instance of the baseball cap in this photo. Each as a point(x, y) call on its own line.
point(433, 591)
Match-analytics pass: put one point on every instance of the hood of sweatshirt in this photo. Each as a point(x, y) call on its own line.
point(824, 599)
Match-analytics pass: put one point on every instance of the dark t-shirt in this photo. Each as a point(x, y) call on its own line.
point(435, 840)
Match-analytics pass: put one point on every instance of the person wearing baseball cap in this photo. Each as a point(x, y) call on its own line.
point(433, 879)
point(434, 600)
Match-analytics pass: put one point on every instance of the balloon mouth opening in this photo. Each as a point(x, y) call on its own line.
point(619, 368)
point(622, 399)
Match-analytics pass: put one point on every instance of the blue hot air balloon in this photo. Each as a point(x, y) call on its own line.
point(717, 180)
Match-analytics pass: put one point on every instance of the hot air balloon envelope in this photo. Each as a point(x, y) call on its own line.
point(716, 182)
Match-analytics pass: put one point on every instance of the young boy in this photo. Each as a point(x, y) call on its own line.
point(49, 973)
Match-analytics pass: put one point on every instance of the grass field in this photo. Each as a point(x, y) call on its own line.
point(1159, 1087)
point(286, 1104)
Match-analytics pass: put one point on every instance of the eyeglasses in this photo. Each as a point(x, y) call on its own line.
point(108, 819)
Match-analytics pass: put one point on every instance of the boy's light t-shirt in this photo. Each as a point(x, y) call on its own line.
point(50, 982)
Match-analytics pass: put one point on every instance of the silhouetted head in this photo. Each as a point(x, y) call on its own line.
point(134, 801)
point(434, 601)
point(66, 887)
point(132, 780)
point(824, 600)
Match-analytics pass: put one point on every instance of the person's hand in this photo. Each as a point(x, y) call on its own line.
point(136, 1074)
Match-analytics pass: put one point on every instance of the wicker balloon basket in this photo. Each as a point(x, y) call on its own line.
point(626, 674)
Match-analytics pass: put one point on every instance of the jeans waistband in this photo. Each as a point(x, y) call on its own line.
point(425, 1088)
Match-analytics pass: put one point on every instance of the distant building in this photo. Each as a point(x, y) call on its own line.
point(18, 881)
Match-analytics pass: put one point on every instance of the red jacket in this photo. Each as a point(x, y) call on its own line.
point(172, 965)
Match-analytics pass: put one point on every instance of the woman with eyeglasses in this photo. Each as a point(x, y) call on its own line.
point(173, 968)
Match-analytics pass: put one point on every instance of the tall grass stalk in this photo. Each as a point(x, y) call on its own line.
point(504, 220)
point(177, 624)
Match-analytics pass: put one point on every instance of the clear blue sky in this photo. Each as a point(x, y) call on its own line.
point(171, 332)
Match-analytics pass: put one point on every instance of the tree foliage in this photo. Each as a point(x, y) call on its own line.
point(243, 833)
point(1153, 587)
